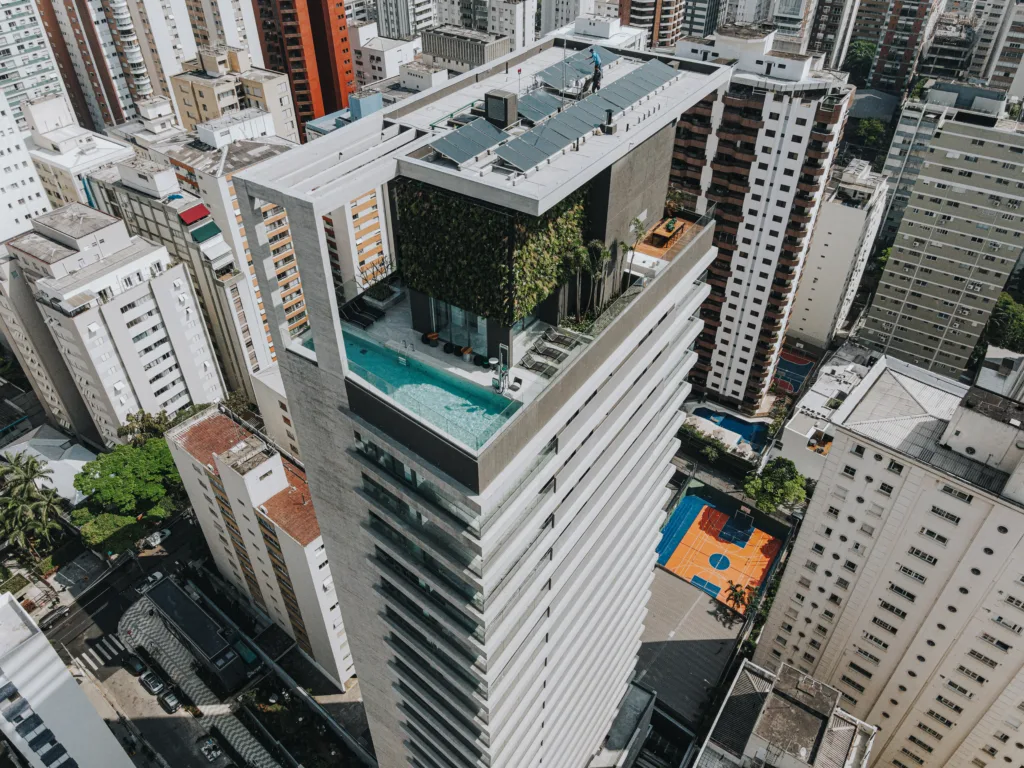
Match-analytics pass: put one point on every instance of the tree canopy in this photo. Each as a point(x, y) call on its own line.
point(1006, 325)
point(871, 132)
point(778, 484)
point(858, 61)
point(130, 479)
point(28, 513)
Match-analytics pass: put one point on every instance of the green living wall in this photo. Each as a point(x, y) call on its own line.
point(496, 263)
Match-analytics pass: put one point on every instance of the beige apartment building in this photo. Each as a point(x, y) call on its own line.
point(961, 234)
point(905, 587)
point(222, 80)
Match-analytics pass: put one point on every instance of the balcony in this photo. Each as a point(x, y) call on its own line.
point(788, 261)
point(810, 187)
point(830, 111)
point(743, 101)
point(702, 110)
point(818, 151)
point(813, 169)
point(722, 195)
point(695, 126)
point(822, 136)
point(725, 165)
point(731, 134)
point(752, 120)
point(800, 215)
point(739, 154)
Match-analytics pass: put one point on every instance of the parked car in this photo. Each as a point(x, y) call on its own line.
point(169, 701)
point(152, 683)
point(156, 539)
point(149, 583)
point(134, 665)
point(54, 616)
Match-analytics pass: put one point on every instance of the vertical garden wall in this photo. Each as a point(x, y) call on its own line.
point(494, 262)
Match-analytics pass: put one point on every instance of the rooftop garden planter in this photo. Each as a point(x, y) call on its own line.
point(489, 261)
point(383, 296)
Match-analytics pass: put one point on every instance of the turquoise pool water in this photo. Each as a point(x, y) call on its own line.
point(752, 432)
point(466, 411)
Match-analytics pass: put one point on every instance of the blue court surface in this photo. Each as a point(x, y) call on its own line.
point(719, 562)
point(792, 371)
point(705, 586)
point(677, 526)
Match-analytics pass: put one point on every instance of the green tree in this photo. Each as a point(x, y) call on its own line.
point(636, 227)
point(43, 523)
point(710, 453)
point(1006, 325)
point(778, 484)
point(858, 61)
point(140, 427)
point(239, 403)
point(871, 132)
point(737, 595)
point(130, 479)
point(20, 473)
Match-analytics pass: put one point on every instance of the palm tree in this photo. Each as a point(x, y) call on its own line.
point(45, 511)
point(637, 228)
point(597, 268)
point(22, 474)
point(736, 595)
point(140, 427)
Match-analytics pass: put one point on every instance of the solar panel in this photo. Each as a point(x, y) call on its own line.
point(469, 141)
point(559, 131)
point(574, 68)
point(538, 105)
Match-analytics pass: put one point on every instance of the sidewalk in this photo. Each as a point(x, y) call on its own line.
point(137, 627)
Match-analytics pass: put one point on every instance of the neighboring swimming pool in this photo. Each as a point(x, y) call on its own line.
point(466, 411)
point(751, 432)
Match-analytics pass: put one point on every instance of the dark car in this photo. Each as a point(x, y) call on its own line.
point(169, 701)
point(54, 616)
point(134, 665)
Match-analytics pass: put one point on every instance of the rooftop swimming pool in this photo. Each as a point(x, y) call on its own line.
point(461, 409)
point(753, 433)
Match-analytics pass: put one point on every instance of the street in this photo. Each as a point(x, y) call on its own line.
point(87, 641)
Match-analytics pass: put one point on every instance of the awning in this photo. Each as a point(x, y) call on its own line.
point(205, 232)
point(194, 214)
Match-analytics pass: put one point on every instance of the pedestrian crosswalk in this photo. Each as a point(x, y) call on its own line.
point(102, 651)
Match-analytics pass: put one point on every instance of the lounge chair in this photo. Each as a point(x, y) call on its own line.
point(364, 308)
point(562, 337)
point(516, 384)
point(550, 352)
point(347, 315)
point(537, 366)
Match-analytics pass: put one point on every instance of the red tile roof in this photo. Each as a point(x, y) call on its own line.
point(292, 509)
point(215, 434)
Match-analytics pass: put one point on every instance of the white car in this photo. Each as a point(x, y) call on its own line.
point(149, 583)
point(156, 539)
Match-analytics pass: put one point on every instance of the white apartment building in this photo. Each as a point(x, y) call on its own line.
point(785, 719)
point(44, 714)
point(254, 507)
point(28, 69)
point(156, 122)
point(515, 19)
point(206, 169)
point(905, 585)
point(124, 316)
point(231, 23)
point(844, 234)
point(21, 194)
point(607, 32)
point(147, 197)
point(482, 616)
point(377, 58)
point(760, 152)
point(402, 18)
point(64, 153)
point(997, 57)
point(273, 404)
point(560, 13)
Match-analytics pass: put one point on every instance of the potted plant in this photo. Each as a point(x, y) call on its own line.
point(383, 295)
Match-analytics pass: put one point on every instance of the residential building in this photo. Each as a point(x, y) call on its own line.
point(148, 198)
point(1002, 372)
point(460, 50)
point(997, 58)
point(950, 49)
point(669, 21)
point(21, 193)
point(841, 243)
point(222, 81)
point(785, 718)
point(832, 30)
point(226, 23)
point(273, 404)
point(47, 718)
point(605, 8)
point(156, 123)
point(905, 579)
point(906, 25)
point(120, 52)
point(64, 153)
point(869, 21)
point(918, 123)
point(122, 314)
point(254, 507)
point(515, 19)
point(378, 58)
point(401, 18)
point(793, 21)
point(205, 163)
point(560, 13)
point(308, 41)
point(28, 66)
point(758, 154)
point(606, 31)
point(492, 631)
point(959, 239)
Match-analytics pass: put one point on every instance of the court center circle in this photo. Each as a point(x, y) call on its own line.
point(719, 562)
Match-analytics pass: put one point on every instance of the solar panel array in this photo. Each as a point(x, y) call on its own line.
point(538, 105)
point(573, 68)
point(469, 141)
point(552, 136)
